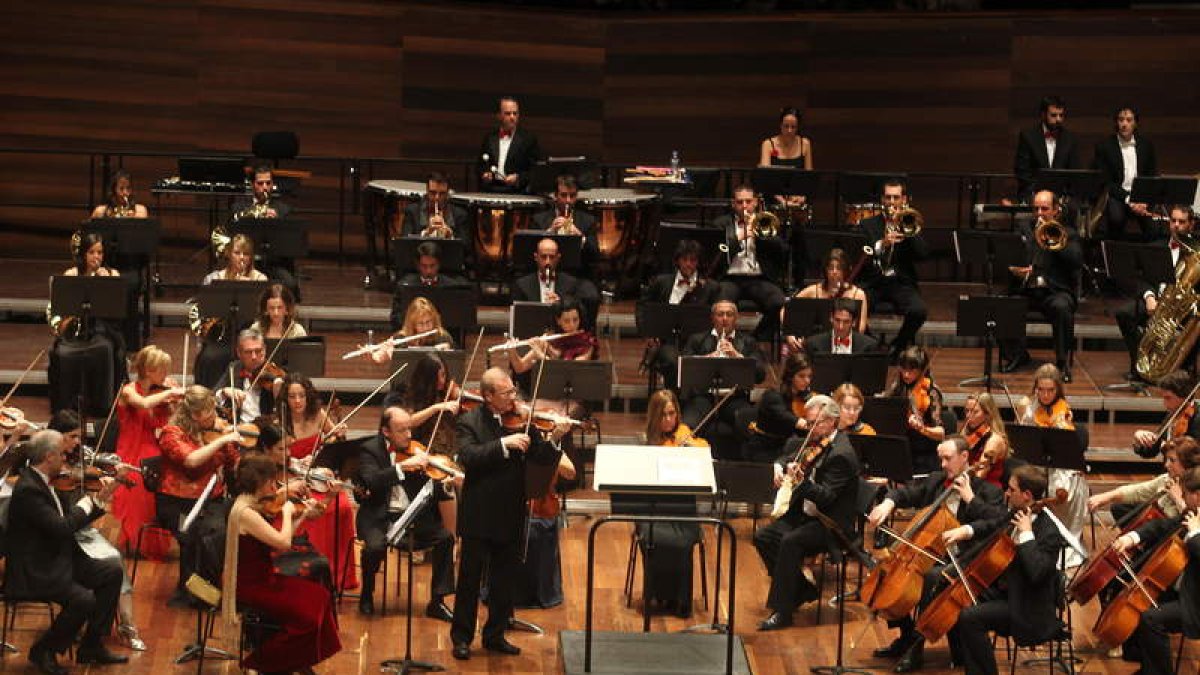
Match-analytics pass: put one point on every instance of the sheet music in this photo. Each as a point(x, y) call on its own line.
point(679, 471)
point(415, 507)
point(191, 516)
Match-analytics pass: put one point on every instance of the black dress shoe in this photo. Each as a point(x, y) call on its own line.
point(913, 660)
point(776, 621)
point(99, 655)
point(502, 646)
point(43, 659)
point(1015, 363)
point(462, 651)
point(366, 605)
point(894, 650)
point(438, 610)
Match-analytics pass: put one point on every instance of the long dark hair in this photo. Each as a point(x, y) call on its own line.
point(422, 390)
point(312, 402)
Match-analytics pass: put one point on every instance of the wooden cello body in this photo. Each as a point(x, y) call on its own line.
point(942, 613)
point(1102, 569)
point(894, 587)
point(1163, 566)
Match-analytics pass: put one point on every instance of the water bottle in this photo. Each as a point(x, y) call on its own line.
point(675, 164)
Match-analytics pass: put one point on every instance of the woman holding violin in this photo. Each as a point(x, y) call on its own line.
point(143, 407)
point(928, 419)
point(421, 317)
point(780, 412)
point(430, 393)
point(984, 431)
point(277, 314)
point(1179, 398)
point(836, 282)
point(664, 426)
point(304, 610)
point(850, 400)
point(195, 446)
point(307, 427)
point(1178, 614)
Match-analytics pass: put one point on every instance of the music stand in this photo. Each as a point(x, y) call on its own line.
point(856, 187)
point(543, 177)
point(402, 527)
point(887, 414)
point(456, 304)
point(665, 321)
point(130, 242)
point(1047, 447)
point(538, 478)
point(341, 457)
point(527, 319)
point(884, 456)
point(669, 236)
point(452, 253)
point(570, 247)
point(749, 482)
point(300, 355)
point(711, 373)
point(997, 251)
point(455, 360)
point(1070, 184)
point(1163, 190)
point(576, 380)
point(867, 371)
point(783, 180)
point(809, 316)
point(993, 318)
point(88, 297)
point(235, 301)
point(274, 237)
point(219, 170)
point(820, 242)
point(1128, 264)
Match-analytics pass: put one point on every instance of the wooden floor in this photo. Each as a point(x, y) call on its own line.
point(167, 631)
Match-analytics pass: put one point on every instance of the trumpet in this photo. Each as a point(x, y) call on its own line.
point(1050, 235)
point(505, 346)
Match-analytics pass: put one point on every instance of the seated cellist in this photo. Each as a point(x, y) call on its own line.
point(972, 501)
point(1179, 612)
point(1023, 603)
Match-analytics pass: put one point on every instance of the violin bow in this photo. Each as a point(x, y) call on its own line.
point(462, 387)
point(13, 389)
point(375, 391)
point(537, 383)
point(271, 356)
point(708, 416)
point(186, 340)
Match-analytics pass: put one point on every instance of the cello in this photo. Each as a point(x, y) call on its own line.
point(1102, 569)
point(893, 588)
point(990, 561)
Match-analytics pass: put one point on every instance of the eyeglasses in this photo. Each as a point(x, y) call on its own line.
point(506, 392)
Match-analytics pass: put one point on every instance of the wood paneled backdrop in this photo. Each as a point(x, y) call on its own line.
point(375, 78)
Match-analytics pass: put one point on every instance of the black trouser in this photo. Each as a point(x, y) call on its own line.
point(973, 626)
point(1059, 309)
point(783, 548)
point(428, 533)
point(1152, 638)
point(502, 564)
point(1117, 216)
point(171, 511)
point(764, 293)
point(664, 360)
point(1131, 319)
point(907, 300)
point(91, 599)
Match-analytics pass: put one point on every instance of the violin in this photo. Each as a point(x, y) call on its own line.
point(1058, 416)
point(271, 506)
point(71, 479)
point(683, 437)
point(1161, 568)
point(248, 433)
point(439, 467)
point(468, 399)
point(544, 420)
point(273, 370)
point(992, 559)
point(919, 398)
point(806, 460)
point(11, 418)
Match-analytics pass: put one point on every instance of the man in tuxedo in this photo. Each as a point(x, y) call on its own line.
point(1174, 388)
point(46, 564)
point(507, 155)
point(549, 285)
point(434, 215)
point(1178, 609)
point(261, 204)
point(392, 481)
point(1023, 603)
point(1045, 146)
point(830, 486)
point(429, 266)
point(973, 501)
point(1120, 158)
point(251, 394)
point(1049, 283)
point(492, 510)
point(562, 217)
point(892, 276)
point(842, 338)
point(753, 263)
point(683, 286)
point(724, 340)
point(1133, 316)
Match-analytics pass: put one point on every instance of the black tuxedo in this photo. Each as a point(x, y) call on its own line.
point(697, 403)
point(399, 309)
point(783, 545)
point(1031, 156)
point(527, 288)
point(523, 154)
point(1132, 316)
point(45, 563)
point(1109, 161)
point(1173, 615)
point(704, 292)
point(1026, 608)
point(416, 219)
point(774, 424)
point(1055, 299)
point(822, 343)
point(377, 473)
point(585, 223)
point(266, 395)
point(762, 289)
point(899, 288)
point(491, 519)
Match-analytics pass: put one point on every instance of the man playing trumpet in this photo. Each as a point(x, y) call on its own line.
point(1049, 282)
point(434, 215)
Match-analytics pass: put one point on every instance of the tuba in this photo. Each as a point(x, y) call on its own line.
point(1050, 235)
point(1173, 329)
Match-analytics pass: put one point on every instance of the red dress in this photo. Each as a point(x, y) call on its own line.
point(322, 530)
point(134, 505)
point(303, 608)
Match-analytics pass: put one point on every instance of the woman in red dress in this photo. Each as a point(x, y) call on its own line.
point(306, 423)
point(302, 608)
point(143, 407)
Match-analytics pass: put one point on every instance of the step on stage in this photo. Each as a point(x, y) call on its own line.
point(641, 653)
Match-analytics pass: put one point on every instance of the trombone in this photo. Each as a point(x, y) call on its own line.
point(903, 219)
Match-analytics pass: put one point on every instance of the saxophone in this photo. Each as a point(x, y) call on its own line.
point(1172, 331)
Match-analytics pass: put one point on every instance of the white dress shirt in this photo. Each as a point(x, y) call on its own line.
point(1129, 159)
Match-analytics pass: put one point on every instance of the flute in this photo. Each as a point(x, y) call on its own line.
point(390, 342)
point(521, 343)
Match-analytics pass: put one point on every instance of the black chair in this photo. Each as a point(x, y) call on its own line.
point(152, 481)
point(9, 619)
point(868, 495)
